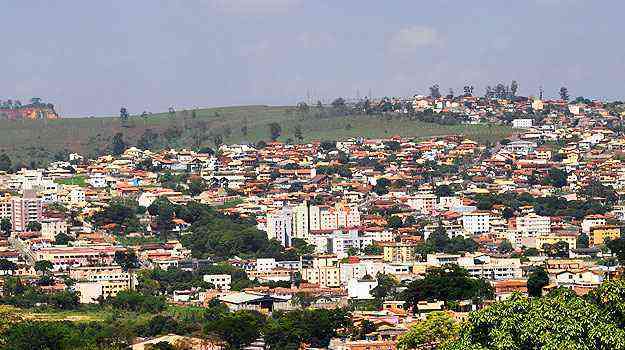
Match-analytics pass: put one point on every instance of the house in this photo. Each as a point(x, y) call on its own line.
point(236, 301)
point(220, 281)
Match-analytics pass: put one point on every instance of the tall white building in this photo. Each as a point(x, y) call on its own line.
point(533, 225)
point(476, 222)
point(340, 215)
point(300, 220)
point(280, 226)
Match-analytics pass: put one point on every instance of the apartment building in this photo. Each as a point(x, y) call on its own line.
point(300, 215)
point(94, 283)
point(51, 227)
point(6, 207)
point(601, 234)
point(424, 203)
point(532, 225)
point(280, 226)
point(400, 252)
point(324, 217)
point(65, 257)
point(591, 221)
point(324, 271)
point(571, 240)
point(26, 209)
point(476, 222)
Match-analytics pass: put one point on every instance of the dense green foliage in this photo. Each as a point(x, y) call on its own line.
point(122, 214)
point(448, 283)
point(559, 320)
point(553, 206)
point(437, 329)
point(18, 293)
point(314, 327)
point(537, 279)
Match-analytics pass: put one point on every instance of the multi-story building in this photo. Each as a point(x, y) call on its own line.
point(571, 240)
point(280, 226)
point(591, 221)
point(400, 252)
point(220, 281)
point(600, 234)
point(324, 271)
point(300, 221)
point(95, 283)
point(476, 222)
point(532, 225)
point(326, 217)
point(522, 123)
point(26, 209)
point(424, 203)
point(6, 207)
point(51, 227)
point(66, 257)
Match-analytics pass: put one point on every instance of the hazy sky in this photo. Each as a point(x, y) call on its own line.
point(91, 57)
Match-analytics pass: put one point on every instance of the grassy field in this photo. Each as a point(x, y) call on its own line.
point(40, 141)
point(75, 181)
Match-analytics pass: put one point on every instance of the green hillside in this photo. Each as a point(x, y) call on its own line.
point(40, 141)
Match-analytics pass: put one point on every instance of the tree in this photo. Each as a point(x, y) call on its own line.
point(514, 87)
point(582, 240)
point(33, 226)
point(443, 191)
point(505, 246)
point(289, 330)
point(435, 91)
point(63, 239)
point(394, 222)
point(438, 329)
point(118, 146)
point(386, 288)
point(123, 115)
point(275, 130)
point(137, 302)
point(5, 162)
point(127, 259)
point(556, 178)
point(338, 103)
point(507, 213)
point(447, 283)
point(43, 266)
point(560, 320)
point(564, 93)
point(559, 249)
point(236, 329)
point(536, 280)
point(617, 247)
point(6, 226)
point(197, 185)
point(302, 107)
point(298, 133)
point(373, 249)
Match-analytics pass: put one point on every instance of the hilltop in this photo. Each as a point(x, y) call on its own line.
point(40, 141)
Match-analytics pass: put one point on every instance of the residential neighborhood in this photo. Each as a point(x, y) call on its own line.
point(354, 224)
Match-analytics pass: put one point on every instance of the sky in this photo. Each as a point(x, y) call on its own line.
point(92, 57)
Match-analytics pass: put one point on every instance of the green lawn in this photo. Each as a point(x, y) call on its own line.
point(40, 141)
point(77, 180)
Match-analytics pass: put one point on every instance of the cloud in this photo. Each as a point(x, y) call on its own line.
point(409, 39)
point(255, 7)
